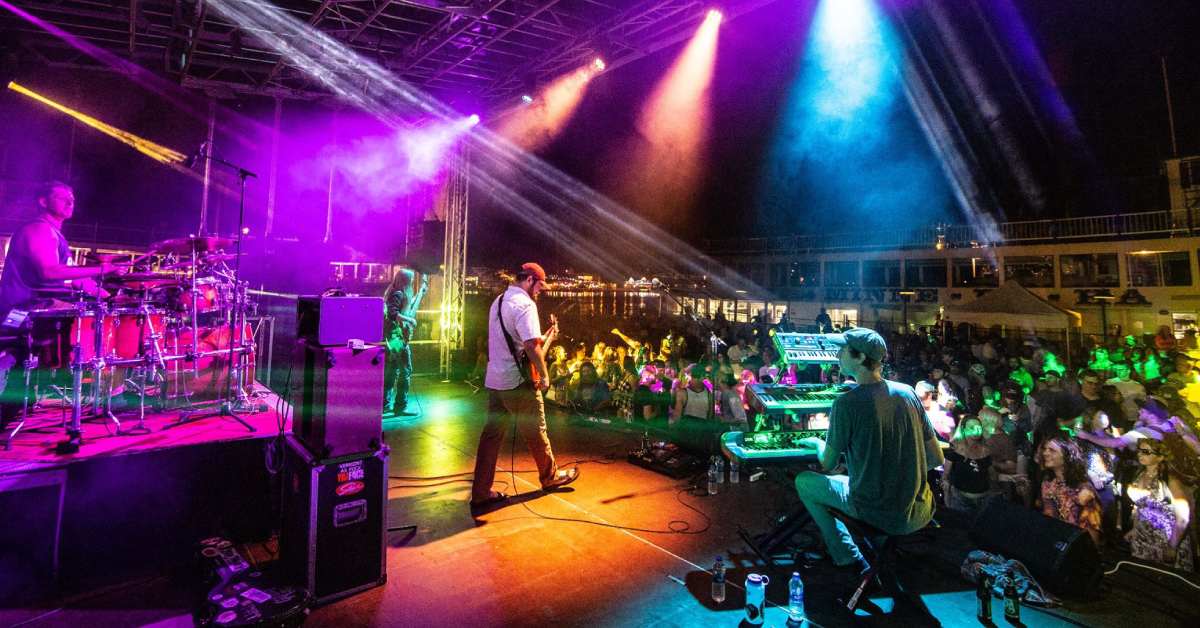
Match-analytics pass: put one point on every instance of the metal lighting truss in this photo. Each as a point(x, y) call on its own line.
point(485, 50)
point(455, 203)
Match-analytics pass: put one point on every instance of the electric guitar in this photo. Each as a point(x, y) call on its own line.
point(527, 364)
point(406, 321)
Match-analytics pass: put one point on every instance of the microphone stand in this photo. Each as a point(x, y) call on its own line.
point(232, 405)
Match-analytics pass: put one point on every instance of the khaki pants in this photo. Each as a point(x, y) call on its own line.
point(524, 405)
point(820, 494)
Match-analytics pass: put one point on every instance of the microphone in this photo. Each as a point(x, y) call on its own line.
point(199, 155)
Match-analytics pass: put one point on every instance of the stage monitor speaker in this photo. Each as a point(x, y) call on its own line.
point(334, 321)
point(341, 400)
point(425, 248)
point(333, 536)
point(1060, 555)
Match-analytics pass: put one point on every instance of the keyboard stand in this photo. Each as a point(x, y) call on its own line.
point(766, 546)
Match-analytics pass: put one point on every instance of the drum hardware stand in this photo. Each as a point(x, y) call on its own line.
point(236, 382)
point(153, 368)
point(195, 314)
point(75, 427)
point(31, 364)
point(102, 400)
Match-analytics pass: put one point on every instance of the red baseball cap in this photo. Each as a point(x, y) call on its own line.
point(534, 269)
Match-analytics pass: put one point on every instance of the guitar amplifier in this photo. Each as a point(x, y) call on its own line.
point(341, 399)
point(332, 541)
point(333, 321)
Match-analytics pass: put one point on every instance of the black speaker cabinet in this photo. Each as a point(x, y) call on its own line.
point(334, 522)
point(1060, 555)
point(341, 401)
point(423, 251)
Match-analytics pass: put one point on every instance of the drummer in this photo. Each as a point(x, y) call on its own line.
point(38, 259)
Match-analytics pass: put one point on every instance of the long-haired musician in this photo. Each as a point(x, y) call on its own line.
point(403, 298)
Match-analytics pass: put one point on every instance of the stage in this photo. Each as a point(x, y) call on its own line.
point(567, 558)
point(128, 505)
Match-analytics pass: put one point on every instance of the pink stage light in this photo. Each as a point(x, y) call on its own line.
point(674, 126)
point(539, 120)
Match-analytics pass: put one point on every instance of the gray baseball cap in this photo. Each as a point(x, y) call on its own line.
point(862, 340)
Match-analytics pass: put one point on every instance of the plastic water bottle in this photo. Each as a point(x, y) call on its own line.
point(720, 468)
point(756, 595)
point(795, 600)
point(713, 478)
point(734, 471)
point(718, 580)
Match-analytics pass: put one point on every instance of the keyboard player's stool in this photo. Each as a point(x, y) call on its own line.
point(881, 550)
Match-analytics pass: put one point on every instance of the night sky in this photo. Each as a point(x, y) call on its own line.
point(1103, 56)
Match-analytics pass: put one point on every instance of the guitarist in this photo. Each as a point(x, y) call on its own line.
point(516, 342)
point(401, 321)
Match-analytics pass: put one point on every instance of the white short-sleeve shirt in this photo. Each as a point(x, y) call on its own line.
point(520, 317)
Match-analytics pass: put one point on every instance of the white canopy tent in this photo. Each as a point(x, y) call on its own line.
point(1013, 306)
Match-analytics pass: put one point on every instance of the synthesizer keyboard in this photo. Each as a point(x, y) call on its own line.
point(798, 397)
point(770, 447)
point(806, 349)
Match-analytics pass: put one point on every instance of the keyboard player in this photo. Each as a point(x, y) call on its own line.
point(889, 446)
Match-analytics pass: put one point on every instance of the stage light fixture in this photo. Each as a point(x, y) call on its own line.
point(527, 99)
point(715, 15)
point(157, 152)
point(598, 64)
point(473, 119)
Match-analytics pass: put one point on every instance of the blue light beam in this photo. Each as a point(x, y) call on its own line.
point(848, 152)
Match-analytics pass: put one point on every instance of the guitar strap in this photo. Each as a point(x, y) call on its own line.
point(508, 341)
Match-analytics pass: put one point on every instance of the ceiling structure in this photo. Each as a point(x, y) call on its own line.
point(492, 51)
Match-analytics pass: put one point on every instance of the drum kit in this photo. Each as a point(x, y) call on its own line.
point(171, 329)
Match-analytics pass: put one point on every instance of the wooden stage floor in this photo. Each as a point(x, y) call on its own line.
point(33, 448)
point(602, 553)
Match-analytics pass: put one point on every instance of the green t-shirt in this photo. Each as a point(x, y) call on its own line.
point(883, 430)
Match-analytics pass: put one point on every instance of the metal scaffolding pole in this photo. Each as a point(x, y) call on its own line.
point(454, 261)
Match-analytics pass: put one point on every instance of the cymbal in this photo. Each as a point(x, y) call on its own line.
point(144, 281)
point(185, 245)
point(205, 258)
